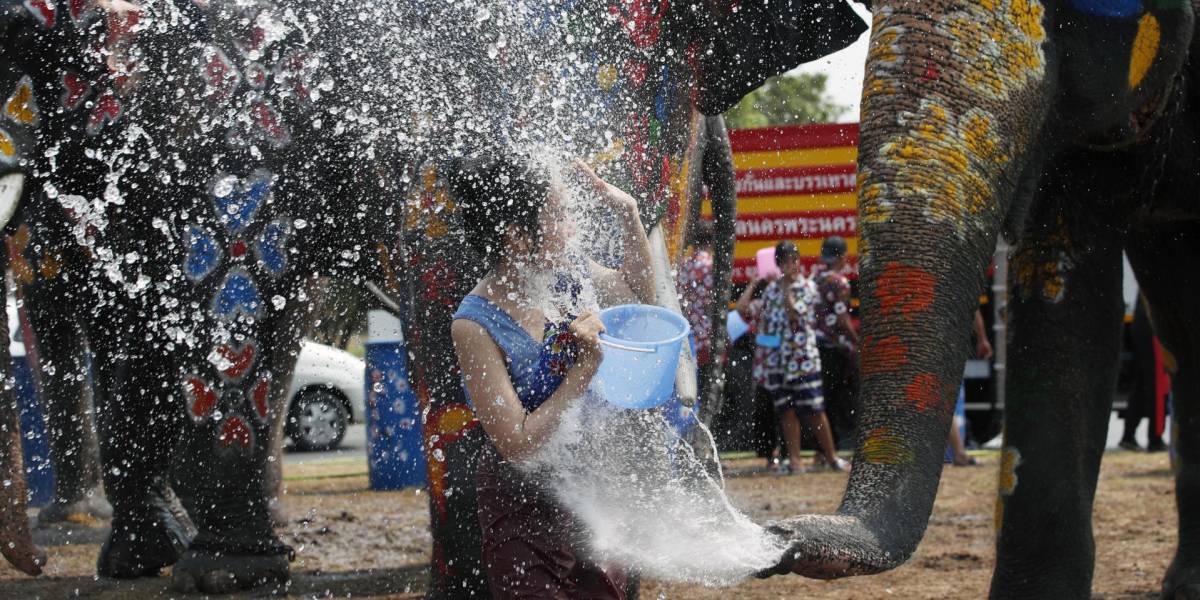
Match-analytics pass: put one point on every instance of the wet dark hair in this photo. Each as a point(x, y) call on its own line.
point(786, 250)
point(494, 194)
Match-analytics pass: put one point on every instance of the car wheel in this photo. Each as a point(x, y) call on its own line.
point(318, 420)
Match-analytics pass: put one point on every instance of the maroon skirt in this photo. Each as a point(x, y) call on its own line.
point(532, 545)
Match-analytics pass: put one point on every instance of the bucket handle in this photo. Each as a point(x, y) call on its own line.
point(612, 344)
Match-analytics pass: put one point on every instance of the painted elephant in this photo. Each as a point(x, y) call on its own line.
point(1070, 127)
point(196, 165)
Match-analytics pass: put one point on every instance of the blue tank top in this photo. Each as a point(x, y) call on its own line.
point(536, 370)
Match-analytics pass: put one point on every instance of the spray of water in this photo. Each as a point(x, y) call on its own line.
point(647, 502)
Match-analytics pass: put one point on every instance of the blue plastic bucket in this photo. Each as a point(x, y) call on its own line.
point(641, 353)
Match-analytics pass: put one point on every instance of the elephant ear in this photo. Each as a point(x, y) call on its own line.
point(764, 38)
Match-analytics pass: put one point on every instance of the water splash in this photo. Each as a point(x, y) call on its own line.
point(646, 500)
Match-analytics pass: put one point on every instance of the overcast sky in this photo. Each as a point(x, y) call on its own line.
point(845, 71)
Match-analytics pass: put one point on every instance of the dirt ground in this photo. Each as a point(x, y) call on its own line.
point(354, 543)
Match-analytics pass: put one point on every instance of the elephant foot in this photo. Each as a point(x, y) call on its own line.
point(141, 549)
point(207, 572)
point(141, 544)
point(1182, 581)
point(86, 510)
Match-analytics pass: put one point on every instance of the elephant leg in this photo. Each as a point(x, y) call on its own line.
point(66, 403)
point(229, 482)
point(137, 433)
point(1065, 315)
point(1157, 255)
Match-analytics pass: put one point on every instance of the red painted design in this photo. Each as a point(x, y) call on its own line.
point(294, 74)
point(267, 120)
point(106, 112)
point(904, 290)
point(120, 24)
point(931, 71)
point(45, 11)
point(202, 399)
point(635, 70)
point(220, 74)
point(450, 423)
point(81, 11)
point(241, 360)
point(884, 355)
point(235, 431)
point(256, 76)
point(237, 249)
point(76, 89)
point(259, 396)
point(924, 392)
point(252, 41)
point(641, 19)
point(437, 280)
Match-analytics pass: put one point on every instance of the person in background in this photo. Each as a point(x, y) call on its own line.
point(695, 283)
point(786, 361)
point(1143, 398)
point(958, 448)
point(837, 341)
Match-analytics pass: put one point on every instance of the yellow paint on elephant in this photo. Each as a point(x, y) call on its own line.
point(1041, 264)
point(1010, 459)
point(8, 148)
point(883, 447)
point(22, 272)
point(50, 266)
point(1170, 363)
point(998, 514)
point(1000, 49)
point(606, 77)
point(884, 52)
point(21, 106)
point(1145, 49)
point(679, 188)
point(614, 151)
point(945, 161)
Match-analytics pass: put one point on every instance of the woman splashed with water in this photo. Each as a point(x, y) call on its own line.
point(528, 348)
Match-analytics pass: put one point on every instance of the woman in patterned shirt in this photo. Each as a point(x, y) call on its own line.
point(786, 361)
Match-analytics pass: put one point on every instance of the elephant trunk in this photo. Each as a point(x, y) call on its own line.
point(950, 103)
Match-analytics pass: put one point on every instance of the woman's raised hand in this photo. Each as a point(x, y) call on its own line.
point(610, 194)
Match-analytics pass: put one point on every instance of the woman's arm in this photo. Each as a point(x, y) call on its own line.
point(637, 272)
point(743, 306)
point(515, 433)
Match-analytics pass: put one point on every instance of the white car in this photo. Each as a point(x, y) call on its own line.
point(326, 395)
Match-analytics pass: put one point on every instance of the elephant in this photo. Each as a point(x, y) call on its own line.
point(1068, 127)
point(192, 168)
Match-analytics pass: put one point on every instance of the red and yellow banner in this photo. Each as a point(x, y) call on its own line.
point(796, 183)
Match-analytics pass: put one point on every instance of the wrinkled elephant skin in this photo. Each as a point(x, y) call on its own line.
point(1071, 126)
point(280, 164)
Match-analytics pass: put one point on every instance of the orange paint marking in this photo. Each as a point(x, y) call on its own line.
point(924, 392)
point(904, 290)
point(886, 355)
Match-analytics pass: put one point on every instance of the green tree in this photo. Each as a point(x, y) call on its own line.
point(783, 100)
